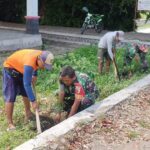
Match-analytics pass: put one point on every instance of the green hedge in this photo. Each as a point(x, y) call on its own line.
point(13, 10)
point(118, 14)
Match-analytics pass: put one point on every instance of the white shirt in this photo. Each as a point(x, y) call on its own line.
point(108, 42)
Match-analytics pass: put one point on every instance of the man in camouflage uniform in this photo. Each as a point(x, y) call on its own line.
point(137, 52)
point(132, 51)
point(142, 50)
point(77, 91)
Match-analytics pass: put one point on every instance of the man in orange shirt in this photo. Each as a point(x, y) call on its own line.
point(19, 73)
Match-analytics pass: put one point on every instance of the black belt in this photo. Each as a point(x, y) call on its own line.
point(13, 72)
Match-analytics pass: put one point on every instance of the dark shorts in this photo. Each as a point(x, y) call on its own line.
point(85, 103)
point(12, 86)
point(103, 53)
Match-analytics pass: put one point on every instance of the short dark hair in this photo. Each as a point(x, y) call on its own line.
point(67, 71)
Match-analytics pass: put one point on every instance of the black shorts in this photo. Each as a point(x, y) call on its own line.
point(103, 53)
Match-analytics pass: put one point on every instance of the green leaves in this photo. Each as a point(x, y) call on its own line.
point(85, 60)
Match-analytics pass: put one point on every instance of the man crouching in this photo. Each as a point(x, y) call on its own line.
point(77, 91)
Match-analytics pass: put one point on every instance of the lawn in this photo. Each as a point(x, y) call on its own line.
point(144, 26)
point(83, 59)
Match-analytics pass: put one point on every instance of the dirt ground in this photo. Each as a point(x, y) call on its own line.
point(125, 123)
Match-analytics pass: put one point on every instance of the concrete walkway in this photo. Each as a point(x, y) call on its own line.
point(13, 40)
point(17, 39)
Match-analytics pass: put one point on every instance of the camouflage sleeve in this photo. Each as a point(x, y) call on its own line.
point(92, 91)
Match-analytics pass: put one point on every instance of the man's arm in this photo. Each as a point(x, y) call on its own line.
point(34, 77)
point(109, 48)
point(111, 52)
point(27, 81)
point(79, 95)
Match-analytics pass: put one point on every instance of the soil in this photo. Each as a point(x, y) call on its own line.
point(45, 121)
point(125, 123)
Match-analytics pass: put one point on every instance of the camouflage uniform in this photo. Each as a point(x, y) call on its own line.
point(131, 51)
point(142, 51)
point(89, 89)
point(129, 54)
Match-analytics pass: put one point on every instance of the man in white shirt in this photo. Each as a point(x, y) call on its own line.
point(107, 48)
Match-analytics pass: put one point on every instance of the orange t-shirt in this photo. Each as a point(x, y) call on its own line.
point(22, 57)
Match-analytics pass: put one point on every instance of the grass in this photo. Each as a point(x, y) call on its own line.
point(144, 26)
point(83, 59)
point(144, 124)
point(132, 135)
point(9, 140)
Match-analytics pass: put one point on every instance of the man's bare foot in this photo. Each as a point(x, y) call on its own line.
point(11, 127)
point(29, 117)
point(57, 118)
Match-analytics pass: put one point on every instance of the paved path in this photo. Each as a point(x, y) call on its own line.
point(76, 31)
point(13, 39)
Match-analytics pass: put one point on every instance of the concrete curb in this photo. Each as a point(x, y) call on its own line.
point(89, 114)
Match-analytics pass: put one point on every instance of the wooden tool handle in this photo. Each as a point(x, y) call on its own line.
point(38, 124)
point(116, 70)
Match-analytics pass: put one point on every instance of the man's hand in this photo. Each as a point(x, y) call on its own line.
point(74, 108)
point(35, 105)
point(57, 118)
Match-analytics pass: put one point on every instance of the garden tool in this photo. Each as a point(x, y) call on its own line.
point(38, 124)
point(116, 70)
